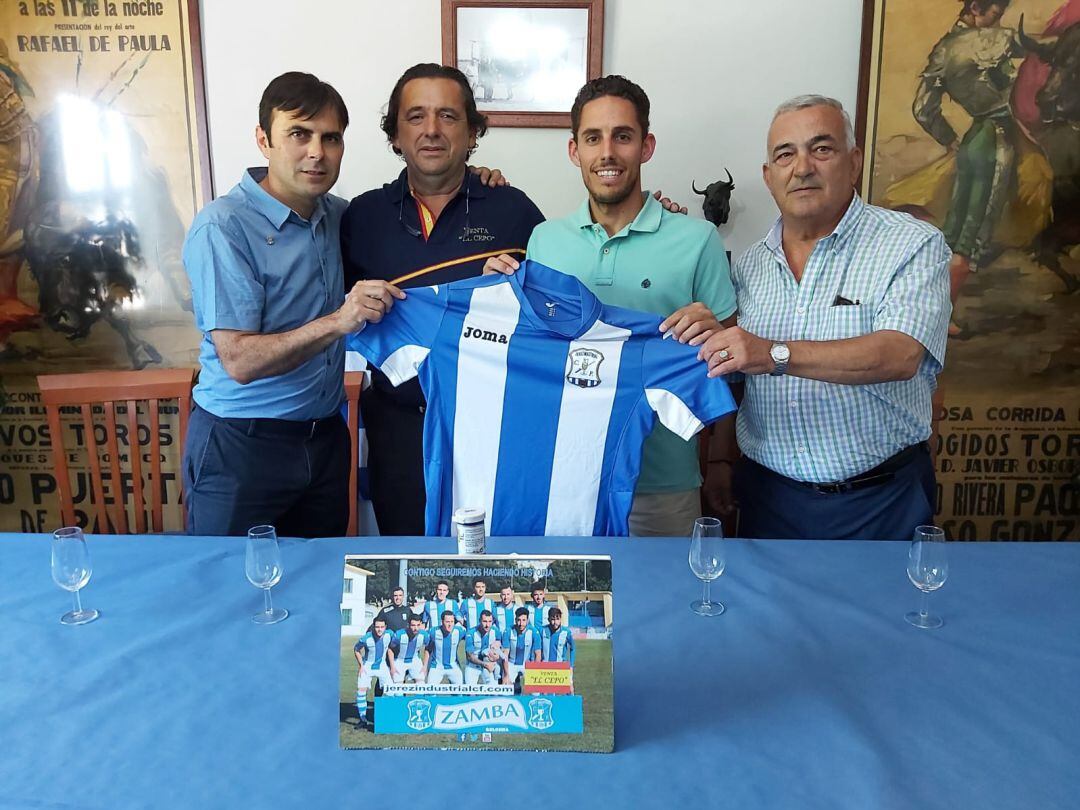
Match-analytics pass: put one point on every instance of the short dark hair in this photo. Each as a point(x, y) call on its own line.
point(984, 5)
point(537, 587)
point(379, 620)
point(429, 70)
point(415, 618)
point(614, 85)
point(484, 613)
point(449, 613)
point(398, 588)
point(301, 93)
point(555, 612)
point(521, 611)
point(479, 579)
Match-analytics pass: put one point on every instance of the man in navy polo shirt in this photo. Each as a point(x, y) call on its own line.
point(266, 442)
point(436, 223)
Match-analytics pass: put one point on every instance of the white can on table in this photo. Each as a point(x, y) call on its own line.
point(470, 530)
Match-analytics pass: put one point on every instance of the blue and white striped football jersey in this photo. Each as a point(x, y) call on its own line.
point(504, 616)
point(434, 609)
point(471, 609)
point(406, 648)
point(444, 646)
point(539, 398)
point(373, 650)
point(538, 618)
point(477, 642)
point(557, 646)
point(520, 645)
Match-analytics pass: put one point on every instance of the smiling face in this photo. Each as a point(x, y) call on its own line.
point(304, 157)
point(398, 597)
point(538, 597)
point(507, 596)
point(448, 623)
point(521, 621)
point(609, 148)
point(433, 134)
point(811, 171)
point(441, 590)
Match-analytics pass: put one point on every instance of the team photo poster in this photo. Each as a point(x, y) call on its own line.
point(473, 652)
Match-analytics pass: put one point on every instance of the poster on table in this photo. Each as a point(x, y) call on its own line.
point(103, 165)
point(970, 119)
point(476, 652)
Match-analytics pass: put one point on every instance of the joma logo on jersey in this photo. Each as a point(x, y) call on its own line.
point(583, 368)
point(484, 334)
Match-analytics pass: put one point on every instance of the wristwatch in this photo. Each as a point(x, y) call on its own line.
point(780, 355)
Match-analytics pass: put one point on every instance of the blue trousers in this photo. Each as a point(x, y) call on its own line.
point(772, 506)
point(240, 473)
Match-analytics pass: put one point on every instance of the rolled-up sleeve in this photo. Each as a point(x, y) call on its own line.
point(226, 291)
point(917, 300)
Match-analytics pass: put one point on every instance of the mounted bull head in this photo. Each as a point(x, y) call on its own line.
point(717, 203)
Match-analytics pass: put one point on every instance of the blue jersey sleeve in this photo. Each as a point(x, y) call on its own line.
point(401, 341)
point(570, 647)
point(678, 389)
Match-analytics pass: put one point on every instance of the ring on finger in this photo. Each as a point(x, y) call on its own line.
point(724, 354)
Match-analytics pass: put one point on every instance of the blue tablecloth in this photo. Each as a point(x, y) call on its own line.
point(811, 691)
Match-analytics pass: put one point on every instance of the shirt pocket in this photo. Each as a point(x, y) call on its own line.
point(848, 321)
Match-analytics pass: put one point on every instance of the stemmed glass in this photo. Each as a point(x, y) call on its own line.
point(707, 561)
point(262, 564)
point(71, 570)
point(927, 568)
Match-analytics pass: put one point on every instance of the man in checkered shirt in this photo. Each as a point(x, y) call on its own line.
point(843, 314)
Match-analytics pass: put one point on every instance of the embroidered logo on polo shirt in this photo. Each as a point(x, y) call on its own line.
point(480, 234)
point(646, 284)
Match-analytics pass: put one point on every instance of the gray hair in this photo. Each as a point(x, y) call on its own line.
point(812, 100)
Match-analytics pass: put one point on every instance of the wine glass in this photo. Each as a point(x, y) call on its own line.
point(927, 568)
point(71, 570)
point(707, 561)
point(262, 564)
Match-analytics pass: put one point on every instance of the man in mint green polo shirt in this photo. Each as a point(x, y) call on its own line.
point(632, 253)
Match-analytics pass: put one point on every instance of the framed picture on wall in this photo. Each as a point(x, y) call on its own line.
point(525, 59)
point(968, 119)
point(104, 162)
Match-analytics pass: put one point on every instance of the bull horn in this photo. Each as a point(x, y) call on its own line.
point(693, 185)
point(1044, 50)
point(730, 179)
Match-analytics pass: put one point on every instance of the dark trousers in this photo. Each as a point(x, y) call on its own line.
point(240, 473)
point(772, 506)
point(395, 436)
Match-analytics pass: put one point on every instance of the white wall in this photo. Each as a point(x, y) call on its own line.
point(714, 71)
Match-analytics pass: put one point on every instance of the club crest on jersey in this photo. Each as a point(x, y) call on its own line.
point(484, 334)
point(540, 714)
point(583, 368)
point(419, 715)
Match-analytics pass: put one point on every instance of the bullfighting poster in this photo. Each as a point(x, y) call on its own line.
point(476, 652)
point(103, 165)
point(970, 119)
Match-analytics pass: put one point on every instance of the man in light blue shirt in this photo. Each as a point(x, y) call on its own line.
point(266, 442)
point(631, 252)
point(843, 314)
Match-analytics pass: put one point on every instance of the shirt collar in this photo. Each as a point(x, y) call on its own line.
point(844, 228)
point(646, 221)
point(270, 207)
point(398, 188)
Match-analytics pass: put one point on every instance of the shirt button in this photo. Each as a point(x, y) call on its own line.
point(606, 251)
point(794, 404)
point(801, 449)
point(800, 310)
